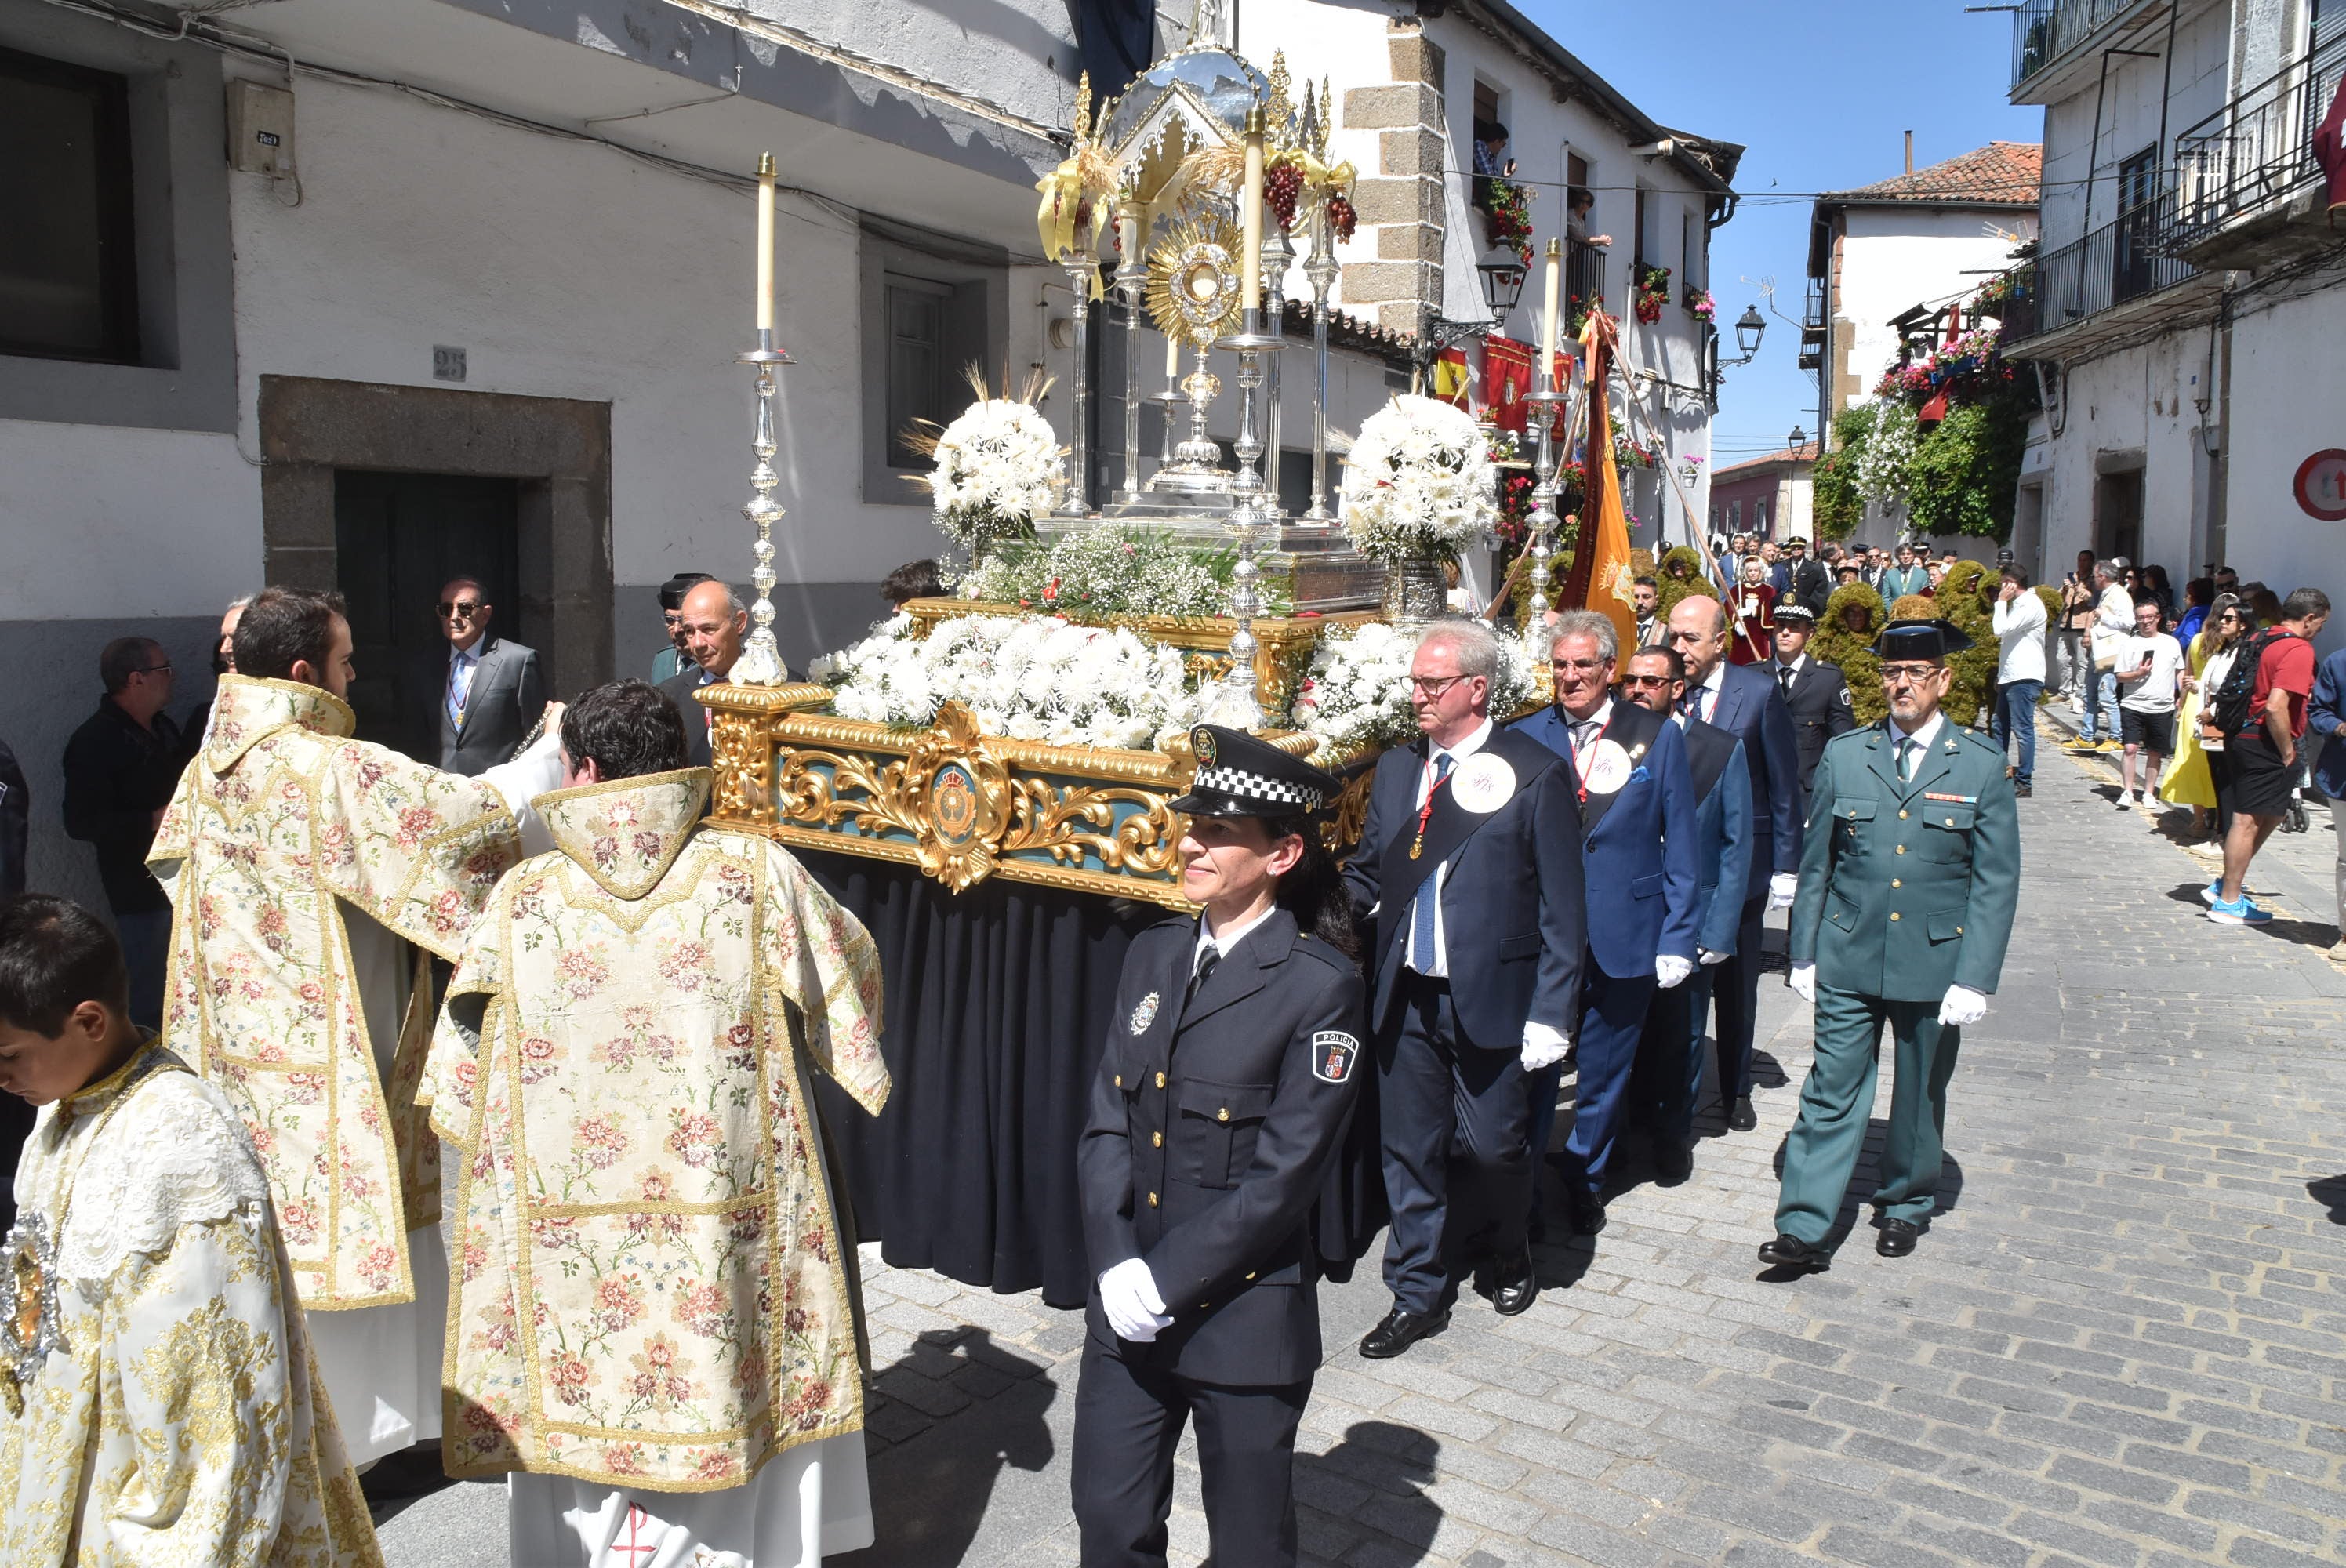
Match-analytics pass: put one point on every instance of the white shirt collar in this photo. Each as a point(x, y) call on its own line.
point(1798, 660)
point(1225, 939)
point(1602, 716)
point(1922, 737)
point(1716, 681)
point(1466, 747)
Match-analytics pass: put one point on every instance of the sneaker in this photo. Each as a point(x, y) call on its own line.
point(2081, 743)
point(2110, 748)
point(2244, 912)
point(2214, 892)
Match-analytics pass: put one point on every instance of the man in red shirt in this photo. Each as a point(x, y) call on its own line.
point(2260, 760)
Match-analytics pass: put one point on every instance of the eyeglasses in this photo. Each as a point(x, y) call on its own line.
point(460, 611)
point(1433, 685)
point(1581, 664)
point(1905, 673)
point(1656, 682)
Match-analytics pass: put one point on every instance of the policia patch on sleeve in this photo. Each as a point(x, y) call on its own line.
point(1333, 1053)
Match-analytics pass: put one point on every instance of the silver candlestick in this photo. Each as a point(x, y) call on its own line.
point(1166, 401)
point(1131, 279)
point(1242, 705)
point(1083, 271)
point(1195, 469)
point(761, 662)
point(1278, 251)
point(1543, 519)
point(1319, 268)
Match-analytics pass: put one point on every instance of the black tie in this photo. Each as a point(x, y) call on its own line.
point(1211, 956)
point(1784, 679)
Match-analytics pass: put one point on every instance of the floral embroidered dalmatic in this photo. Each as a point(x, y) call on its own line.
point(650, 1285)
point(177, 1419)
point(280, 820)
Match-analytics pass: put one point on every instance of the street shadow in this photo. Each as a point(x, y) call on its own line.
point(2315, 933)
point(1397, 1461)
point(398, 1481)
point(2331, 1193)
point(1855, 1206)
point(931, 1491)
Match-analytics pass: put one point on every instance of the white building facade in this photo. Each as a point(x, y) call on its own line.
point(463, 294)
point(2190, 293)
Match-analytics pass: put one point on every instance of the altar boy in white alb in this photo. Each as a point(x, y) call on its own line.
point(655, 1326)
point(161, 1405)
point(311, 875)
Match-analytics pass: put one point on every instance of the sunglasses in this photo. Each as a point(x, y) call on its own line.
point(460, 611)
point(1656, 681)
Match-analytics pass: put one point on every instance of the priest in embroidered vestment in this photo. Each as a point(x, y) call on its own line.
point(162, 1408)
point(653, 1289)
point(312, 876)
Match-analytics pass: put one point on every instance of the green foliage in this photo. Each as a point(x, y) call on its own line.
point(1971, 696)
point(1963, 477)
point(1849, 649)
point(1098, 573)
point(1695, 581)
point(1839, 504)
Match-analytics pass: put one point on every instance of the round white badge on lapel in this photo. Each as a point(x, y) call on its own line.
point(1604, 768)
point(1483, 783)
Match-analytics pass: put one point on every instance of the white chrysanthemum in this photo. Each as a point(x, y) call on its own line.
point(998, 469)
point(1419, 482)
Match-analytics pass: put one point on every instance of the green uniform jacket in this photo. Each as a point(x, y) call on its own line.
point(1908, 888)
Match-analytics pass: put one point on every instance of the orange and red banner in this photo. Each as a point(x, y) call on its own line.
point(1603, 577)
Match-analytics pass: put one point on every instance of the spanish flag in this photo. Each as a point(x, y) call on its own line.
point(1602, 576)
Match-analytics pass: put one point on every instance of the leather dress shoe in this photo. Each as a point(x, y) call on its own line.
point(1674, 1162)
point(1740, 1116)
point(1517, 1289)
point(1399, 1330)
point(1896, 1237)
point(1792, 1252)
point(1587, 1214)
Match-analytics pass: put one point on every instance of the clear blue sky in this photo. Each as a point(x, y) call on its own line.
point(1820, 95)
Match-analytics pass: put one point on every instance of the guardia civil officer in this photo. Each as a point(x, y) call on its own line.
point(1227, 1085)
point(1909, 874)
point(1813, 690)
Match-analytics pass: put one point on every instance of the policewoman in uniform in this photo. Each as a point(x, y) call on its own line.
point(1910, 870)
point(1226, 1085)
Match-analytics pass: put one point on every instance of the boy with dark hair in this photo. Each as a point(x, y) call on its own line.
point(153, 1346)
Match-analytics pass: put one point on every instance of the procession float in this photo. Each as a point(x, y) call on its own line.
point(985, 779)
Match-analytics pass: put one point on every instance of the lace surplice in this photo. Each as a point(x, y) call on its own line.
point(174, 1416)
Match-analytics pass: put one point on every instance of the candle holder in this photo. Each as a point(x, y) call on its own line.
point(761, 663)
point(1240, 707)
point(1083, 271)
point(1197, 466)
point(1278, 252)
point(1166, 401)
point(1131, 282)
point(1319, 268)
point(1545, 400)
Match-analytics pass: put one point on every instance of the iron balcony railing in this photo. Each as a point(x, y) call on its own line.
point(2127, 260)
point(2257, 148)
point(1812, 314)
point(1584, 282)
point(2044, 30)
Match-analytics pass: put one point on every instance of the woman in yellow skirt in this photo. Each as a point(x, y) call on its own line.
point(2191, 779)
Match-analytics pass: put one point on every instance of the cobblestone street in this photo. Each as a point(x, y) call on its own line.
point(2121, 1343)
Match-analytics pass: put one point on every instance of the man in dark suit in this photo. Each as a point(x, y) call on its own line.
point(15, 822)
point(1815, 692)
point(714, 620)
point(1669, 1074)
point(1742, 700)
point(1637, 858)
point(492, 697)
point(1472, 831)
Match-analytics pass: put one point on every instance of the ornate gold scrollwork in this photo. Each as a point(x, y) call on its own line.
point(1342, 831)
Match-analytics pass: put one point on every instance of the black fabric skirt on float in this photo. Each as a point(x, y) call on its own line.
point(996, 1010)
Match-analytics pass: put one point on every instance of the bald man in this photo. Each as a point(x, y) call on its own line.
point(713, 623)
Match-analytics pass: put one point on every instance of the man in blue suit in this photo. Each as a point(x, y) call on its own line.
point(1637, 858)
point(1742, 700)
point(1668, 1074)
point(1469, 867)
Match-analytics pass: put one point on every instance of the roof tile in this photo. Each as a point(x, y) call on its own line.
point(2002, 173)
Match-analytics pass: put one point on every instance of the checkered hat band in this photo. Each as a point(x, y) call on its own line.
point(1245, 786)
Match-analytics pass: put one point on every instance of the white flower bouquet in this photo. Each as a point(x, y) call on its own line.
point(1103, 571)
point(1026, 677)
point(997, 467)
point(1355, 694)
point(1419, 484)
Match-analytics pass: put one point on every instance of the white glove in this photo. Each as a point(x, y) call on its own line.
point(1705, 957)
point(1670, 970)
point(1129, 1301)
point(1781, 889)
point(1803, 982)
point(1962, 1005)
point(1544, 1046)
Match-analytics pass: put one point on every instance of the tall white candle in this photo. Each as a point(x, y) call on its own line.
point(1251, 216)
point(1548, 322)
point(1172, 355)
point(765, 241)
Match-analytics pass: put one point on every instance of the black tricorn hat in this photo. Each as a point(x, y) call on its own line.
point(1920, 639)
point(1239, 776)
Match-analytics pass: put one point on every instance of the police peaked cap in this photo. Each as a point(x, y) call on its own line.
point(1920, 639)
point(1239, 776)
point(1801, 613)
point(672, 592)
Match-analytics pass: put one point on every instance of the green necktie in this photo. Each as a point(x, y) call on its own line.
point(1907, 747)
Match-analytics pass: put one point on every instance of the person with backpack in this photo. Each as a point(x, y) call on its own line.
point(2261, 709)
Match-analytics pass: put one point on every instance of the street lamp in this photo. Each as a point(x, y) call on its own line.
point(1749, 328)
point(1502, 271)
point(1800, 438)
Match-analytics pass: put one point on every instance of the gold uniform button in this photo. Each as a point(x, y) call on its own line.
point(1901, 849)
point(1119, 1080)
point(1893, 915)
point(1223, 1115)
point(1896, 883)
point(1157, 1140)
point(1249, 1274)
point(1951, 821)
point(1959, 930)
point(1901, 816)
point(1160, 1080)
point(1152, 1201)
